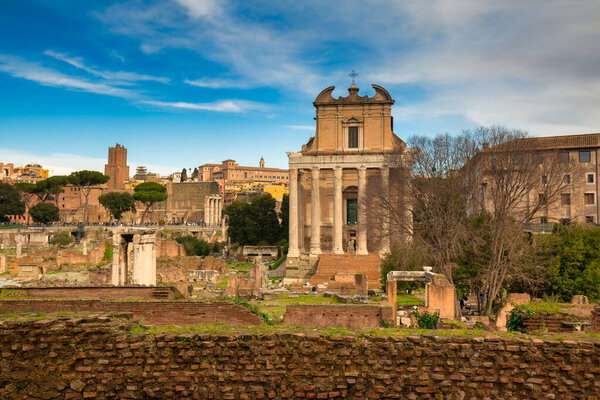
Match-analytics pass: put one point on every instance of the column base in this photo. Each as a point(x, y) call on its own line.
point(337, 251)
point(314, 252)
point(362, 253)
point(293, 253)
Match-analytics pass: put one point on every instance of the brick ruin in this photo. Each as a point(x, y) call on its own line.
point(99, 358)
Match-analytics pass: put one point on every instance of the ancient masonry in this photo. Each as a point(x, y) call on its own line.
point(135, 247)
point(98, 358)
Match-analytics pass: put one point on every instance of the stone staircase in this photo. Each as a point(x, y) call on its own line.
point(160, 293)
point(331, 264)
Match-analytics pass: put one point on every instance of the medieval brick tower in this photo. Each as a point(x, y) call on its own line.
point(117, 167)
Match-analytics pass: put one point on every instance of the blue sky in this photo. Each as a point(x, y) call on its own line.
point(185, 82)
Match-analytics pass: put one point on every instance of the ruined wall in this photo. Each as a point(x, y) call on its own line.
point(148, 312)
point(348, 316)
point(98, 358)
point(98, 292)
point(168, 248)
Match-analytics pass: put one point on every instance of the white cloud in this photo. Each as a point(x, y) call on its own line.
point(231, 106)
point(216, 83)
point(20, 68)
point(200, 8)
point(65, 163)
point(118, 76)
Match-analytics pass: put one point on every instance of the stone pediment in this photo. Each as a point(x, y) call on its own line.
point(381, 97)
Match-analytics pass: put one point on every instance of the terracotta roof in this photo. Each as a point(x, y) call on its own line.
point(563, 142)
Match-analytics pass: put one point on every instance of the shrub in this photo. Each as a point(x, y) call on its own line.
point(194, 246)
point(427, 320)
point(62, 239)
point(108, 251)
point(517, 316)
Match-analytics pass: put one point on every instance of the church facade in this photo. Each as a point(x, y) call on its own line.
point(348, 186)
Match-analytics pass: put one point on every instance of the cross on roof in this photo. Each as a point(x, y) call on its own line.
point(353, 75)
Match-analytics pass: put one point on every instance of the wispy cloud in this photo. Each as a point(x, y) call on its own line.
point(217, 83)
point(229, 106)
point(19, 68)
point(300, 127)
point(118, 76)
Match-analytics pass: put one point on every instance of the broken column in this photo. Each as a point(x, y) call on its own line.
point(18, 251)
point(258, 276)
point(144, 259)
point(2, 263)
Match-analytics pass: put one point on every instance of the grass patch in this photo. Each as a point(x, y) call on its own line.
point(276, 307)
point(237, 266)
point(276, 278)
point(546, 306)
point(223, 283)
point(409, 300)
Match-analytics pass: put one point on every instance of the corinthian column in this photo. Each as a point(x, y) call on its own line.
point(337, 211)
point(315, 216)
point(362, 211)
point(385, 221)
point(293, 243)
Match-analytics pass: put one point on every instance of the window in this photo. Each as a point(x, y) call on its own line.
point(351, 212)
point(518, 159)
point(353, 137)
point(584, 156)
point(538, 158)
point(543, 220)
point(589, 198)
point(565, 199)
point(563, 156)
point(590, 178)
point(544, 179)
point(589, 219)
point(542, 198)
point(565, 221)
point(567, 179)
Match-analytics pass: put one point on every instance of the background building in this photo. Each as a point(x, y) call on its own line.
point(117, 168)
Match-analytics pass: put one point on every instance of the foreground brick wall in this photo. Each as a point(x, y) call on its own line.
point(98, 358)
point(148, 312)
point(348, 316)
point(98, 292)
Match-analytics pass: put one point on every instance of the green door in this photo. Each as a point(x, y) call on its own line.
point(351, 212)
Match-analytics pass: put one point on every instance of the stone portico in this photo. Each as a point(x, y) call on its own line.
point(340, 182)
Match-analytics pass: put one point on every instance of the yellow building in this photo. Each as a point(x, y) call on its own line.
point(276, 191)
point(31, 173)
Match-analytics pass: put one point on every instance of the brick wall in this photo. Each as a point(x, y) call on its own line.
point(98, 358)
point(148, 312)
point(348, 316)
point(98, 292)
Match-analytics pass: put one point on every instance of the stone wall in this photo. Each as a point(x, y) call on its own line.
point(338, 315)
point(148, 312)
point(97, 357)
point(100, 292)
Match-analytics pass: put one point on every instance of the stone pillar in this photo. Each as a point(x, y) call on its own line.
point(362, 212)
point(206, 210)
point(119, 261)
point(385, 212)
point(337, 211)
point(2, 263)
point(315, 214)
point(144, 263)
point(219, 210)
point(136, 273)
point(293, 250)
point(18, 250)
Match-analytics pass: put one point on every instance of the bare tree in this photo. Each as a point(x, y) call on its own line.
point(512, 183)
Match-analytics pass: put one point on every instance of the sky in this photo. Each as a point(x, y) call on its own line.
point(181, 83)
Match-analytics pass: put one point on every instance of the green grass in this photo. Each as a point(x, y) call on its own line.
point(546, 306)
point(409, 300)
point(242, 267)
point(276, 278)
point(277, 305)
point(223, 283)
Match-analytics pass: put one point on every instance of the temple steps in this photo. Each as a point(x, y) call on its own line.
point(331, 264)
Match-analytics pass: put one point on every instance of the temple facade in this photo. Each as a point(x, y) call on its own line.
point(348, 186)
